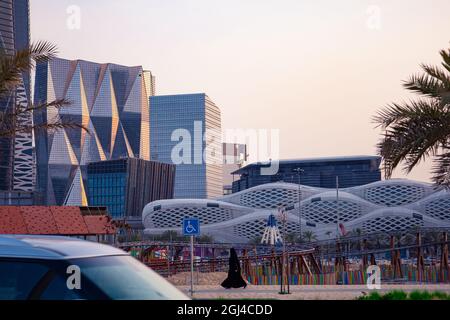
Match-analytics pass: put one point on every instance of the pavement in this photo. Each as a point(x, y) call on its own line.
point(305, 292)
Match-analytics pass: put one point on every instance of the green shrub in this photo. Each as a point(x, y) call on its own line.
point(374, 295)
point(401, 295)
point(395, 295)
point(420, 295)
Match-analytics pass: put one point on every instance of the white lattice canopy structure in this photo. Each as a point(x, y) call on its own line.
point(389, 205)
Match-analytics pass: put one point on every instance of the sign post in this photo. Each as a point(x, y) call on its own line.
point(191, 227)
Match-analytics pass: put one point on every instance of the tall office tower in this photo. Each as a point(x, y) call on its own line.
point(6, 101)
point(185, 130)
point(24, 173)
point(17, 170)
point(108, 99)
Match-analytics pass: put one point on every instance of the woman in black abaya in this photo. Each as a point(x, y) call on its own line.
point(234, 279)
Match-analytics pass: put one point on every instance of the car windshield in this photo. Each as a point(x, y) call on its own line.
point(125, 278)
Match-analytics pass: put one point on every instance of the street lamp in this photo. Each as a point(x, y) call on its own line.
point(299, 171)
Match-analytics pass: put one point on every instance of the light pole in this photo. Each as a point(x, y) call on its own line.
point(285, 270)
point(337, 207)
point(299, 171)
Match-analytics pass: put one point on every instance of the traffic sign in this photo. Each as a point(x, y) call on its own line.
point(191, 227)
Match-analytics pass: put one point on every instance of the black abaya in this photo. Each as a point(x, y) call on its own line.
point(234, 279)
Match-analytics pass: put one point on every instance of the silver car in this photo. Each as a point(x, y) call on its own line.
point(62, 268)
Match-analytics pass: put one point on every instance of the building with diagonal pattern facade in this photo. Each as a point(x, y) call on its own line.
point(111, 100)
point(17, 163)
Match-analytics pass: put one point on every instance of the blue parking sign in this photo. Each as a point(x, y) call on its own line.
point(191, 227)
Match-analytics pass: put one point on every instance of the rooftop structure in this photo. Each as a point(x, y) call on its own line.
point(315, 172)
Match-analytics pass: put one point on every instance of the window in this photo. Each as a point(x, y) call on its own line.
point(17, 278)
point(57, 290)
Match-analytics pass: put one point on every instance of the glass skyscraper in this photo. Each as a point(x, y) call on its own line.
point(111, 101)
point(187, 127)
point(17, 170)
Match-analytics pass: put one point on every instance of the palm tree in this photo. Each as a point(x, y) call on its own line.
point(358, 232)
point(205, 239)
point(12, 67)
point(309, 236)
point(256, 240)
point(292, 238)
point(420, 128)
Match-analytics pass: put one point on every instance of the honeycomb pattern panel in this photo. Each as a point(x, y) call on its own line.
point(394, 195)
point(269, 198)
point(250, 229)
point(393, 223)
point(254, 229)
point(172, 217)
point(439, 209)
point(325, 211)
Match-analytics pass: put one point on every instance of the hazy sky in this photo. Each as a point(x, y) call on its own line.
point(316, 70)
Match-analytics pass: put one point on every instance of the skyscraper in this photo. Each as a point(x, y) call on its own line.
point(6, 101)
point(111, 101)
point(185, 130)
point(17, 170)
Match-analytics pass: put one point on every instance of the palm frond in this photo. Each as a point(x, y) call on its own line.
point(426, 85)
point(441, 169)
point(42, 51)
point(41, 107)
point(10, 123)
point(13, 65)
point(395, 112)
point(437, 73)
point(445, 55)
point(49, 127)
point(414, 131)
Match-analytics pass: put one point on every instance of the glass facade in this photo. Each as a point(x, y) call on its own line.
point(125, 186)
point(111, 101)
point(318, 172)
point(107, 183)
point(189, 116)
point(16, 153)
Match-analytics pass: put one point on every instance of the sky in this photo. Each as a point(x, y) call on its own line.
point(316, 70)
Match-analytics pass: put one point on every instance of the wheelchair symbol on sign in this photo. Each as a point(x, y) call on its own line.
point(190, 228)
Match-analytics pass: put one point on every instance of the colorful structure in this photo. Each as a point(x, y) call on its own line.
point(271, 234)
